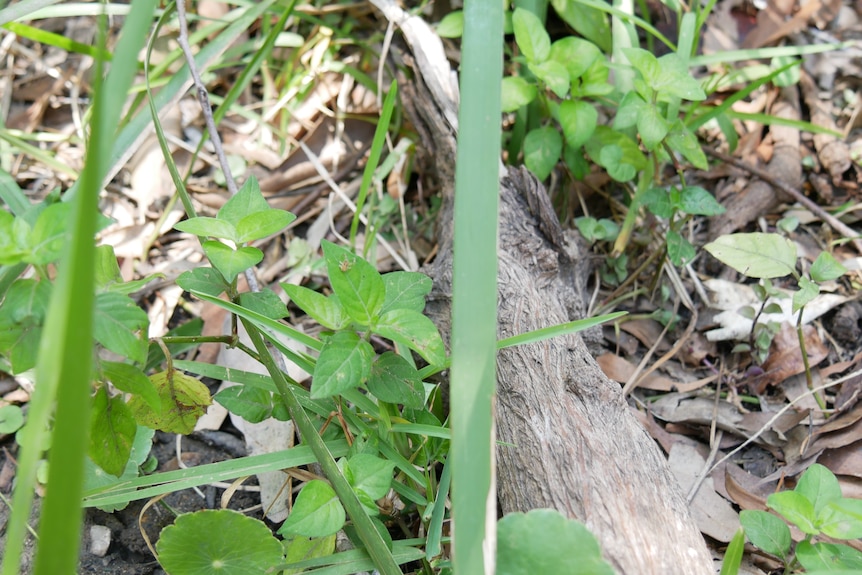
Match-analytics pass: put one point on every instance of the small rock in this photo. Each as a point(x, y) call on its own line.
point(100, 540)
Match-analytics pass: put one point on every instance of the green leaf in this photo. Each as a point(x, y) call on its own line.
point(19, 341)
point(248, 200)
point(218, 542)
point(578, 120)
point(231, 262)
point(11, 419)
point(370, 475)
point(756, 255)
point(842, 519)
point(326, 311)
point(251, 403)
point(657, 200)
point(587, 21)
point(796, 508)
point(594, 82)
point(576, 54)
point(359, 287)
point(10, 250)
point(208, 227)
point(452, 25)
point(826, 268)
point(819, 486)
point(394, 380)
point(679, 250)
point(652, 127)
point(265, 302)
point(544, 541)
point(531, 36)
point(681, 140)
point(790, 75)
point(405, 290)
point(766, 531)
point(808, 290)
point(107, 269)
point(344, 363)
point(299, 548)
point(48, 237)
point(517, 92)
point(733, 554)
point(112, 431)
point(184, 401)
point(121, 326)
point(554, 75)
point(675, 81)
point(697, 201)
point(206, 280)
point(542, 149)
point(629, 110)
point(95, 477)
point(316, 513)
point(828, 557)
point(262, 224)
point(616, 152)
point(26, 298)
point(130, 379)
point(416, 330)
point(644, 62)
point(595, 230)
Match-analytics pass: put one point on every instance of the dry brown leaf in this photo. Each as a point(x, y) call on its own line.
point(620, 369)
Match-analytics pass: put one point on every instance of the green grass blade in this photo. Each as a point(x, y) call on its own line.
point(23, 9)
point(555, 330)
point(373, 161)
point(12, 195)
point(764, 53)
point(152, 485)
point(435, 526)
point(474, 289)
point(56, 40)
point(67, 343)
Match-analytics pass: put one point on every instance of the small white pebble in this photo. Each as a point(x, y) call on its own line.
point(100, 540)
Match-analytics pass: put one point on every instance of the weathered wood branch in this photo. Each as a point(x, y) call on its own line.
point(577, 446)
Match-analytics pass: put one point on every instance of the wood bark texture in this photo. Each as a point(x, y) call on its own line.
point(576, 446)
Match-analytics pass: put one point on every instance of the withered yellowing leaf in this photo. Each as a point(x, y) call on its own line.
point(184, 401)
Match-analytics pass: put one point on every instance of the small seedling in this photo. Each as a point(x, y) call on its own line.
point(818, 509)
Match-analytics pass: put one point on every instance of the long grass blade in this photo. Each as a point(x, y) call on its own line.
point(474, 289)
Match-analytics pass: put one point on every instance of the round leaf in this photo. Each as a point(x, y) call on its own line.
point(11, 419)
point(543, 541)
point(517, 92)
point(542, 149)
point(842, 519)
point(218, 542)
